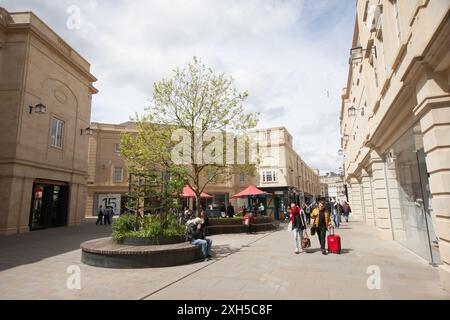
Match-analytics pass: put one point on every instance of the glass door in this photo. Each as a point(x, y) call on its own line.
point(425, 203)
point(409, 195)
point(49, 206)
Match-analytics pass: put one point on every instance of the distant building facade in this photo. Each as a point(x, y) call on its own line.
point(335, 185)
point(45, 102)
point(395, 124)
point(284, 174)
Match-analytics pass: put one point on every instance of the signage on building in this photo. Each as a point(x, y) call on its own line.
point(332, 192)
point(110, 200)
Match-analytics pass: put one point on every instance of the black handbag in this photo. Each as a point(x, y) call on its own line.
point(313, 229)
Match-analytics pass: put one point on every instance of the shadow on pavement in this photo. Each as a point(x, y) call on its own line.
point(221, 251)
point(31, 247)
point(313, 250)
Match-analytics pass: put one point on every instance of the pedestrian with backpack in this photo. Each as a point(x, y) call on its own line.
point(345, 209)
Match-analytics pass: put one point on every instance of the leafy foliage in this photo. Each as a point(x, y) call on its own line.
point(150, 226)
point(197, 100)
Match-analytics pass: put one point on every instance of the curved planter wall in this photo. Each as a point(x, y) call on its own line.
point(151, 241)
point(106, 253)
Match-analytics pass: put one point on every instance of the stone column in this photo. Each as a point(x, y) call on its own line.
point(16, 199)
point(435, 125)
point(433, 110)
point(367, 196)
point(381, 199)
point(357, 213)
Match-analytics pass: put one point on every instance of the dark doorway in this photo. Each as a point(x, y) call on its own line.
point(49, 205)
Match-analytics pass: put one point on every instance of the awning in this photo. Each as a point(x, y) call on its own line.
point(250, 191)
point(189, 193)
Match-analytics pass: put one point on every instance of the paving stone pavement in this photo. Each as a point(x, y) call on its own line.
point(259, 266)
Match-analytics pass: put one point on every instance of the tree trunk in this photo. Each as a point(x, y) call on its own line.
point(198, 204)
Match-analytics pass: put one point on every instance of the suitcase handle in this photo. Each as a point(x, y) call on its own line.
point(331, 230)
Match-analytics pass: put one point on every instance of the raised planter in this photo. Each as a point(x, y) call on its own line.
point(107, 253)
point(150, 241)
point(235, 225)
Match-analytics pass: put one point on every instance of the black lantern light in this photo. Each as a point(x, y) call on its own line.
point(88, 131)
point(39, 108)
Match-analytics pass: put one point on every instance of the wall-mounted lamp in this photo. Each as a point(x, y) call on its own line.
point(39, 108)
point(346, 137)
point(87, 131)
point(356, 53)
point(352, 111)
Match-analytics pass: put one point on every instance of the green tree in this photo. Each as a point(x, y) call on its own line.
point(200, 102)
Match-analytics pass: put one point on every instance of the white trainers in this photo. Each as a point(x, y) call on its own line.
point(297, 251)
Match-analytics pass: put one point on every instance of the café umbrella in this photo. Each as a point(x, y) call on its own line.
point(250, 191)
point(189, 193)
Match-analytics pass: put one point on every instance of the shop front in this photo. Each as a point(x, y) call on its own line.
point(409, 195)
point(49, 204)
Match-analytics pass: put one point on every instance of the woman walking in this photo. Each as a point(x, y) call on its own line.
point(298, 225)
point(322, 221)
point(345, 209)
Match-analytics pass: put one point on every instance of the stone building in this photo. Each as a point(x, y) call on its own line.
point(45, 103)
point(335, 184)
point(108, 174)
point(283, 173)
point(395, 124)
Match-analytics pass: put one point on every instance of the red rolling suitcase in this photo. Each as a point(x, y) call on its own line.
point(334, 242)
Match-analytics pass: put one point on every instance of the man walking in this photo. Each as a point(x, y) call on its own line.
point(101, 213)
point(107, 215)
point(230, 210)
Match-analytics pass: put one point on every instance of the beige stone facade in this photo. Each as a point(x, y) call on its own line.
point(395, 124)
point(43, 165)
point(105, 161)
point(335, 185)
point(290, 175)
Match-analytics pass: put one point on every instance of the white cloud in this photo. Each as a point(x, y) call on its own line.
point(289, 54)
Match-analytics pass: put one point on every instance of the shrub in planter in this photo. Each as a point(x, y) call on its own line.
point(149, 226)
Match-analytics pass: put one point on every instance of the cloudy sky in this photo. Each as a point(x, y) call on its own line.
point(291, 56)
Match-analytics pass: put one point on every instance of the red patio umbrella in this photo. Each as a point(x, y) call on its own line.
point(250, 191)
point(189, 193)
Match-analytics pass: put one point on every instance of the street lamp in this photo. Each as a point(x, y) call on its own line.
point(39, 108)
point(88, 131)
point(346, 137)
point(356, 53)
point(352, 111)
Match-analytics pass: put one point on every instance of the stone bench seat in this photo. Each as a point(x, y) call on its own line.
point(106, 253)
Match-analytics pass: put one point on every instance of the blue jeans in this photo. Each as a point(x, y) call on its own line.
point(205, 245)
point(336, 220)
point(345, 214)
point(297, 233)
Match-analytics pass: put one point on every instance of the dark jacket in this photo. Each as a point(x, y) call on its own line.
point(193, 233)
point(298, 219)
point(230, 211)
